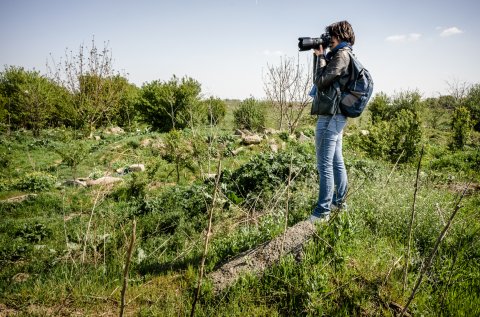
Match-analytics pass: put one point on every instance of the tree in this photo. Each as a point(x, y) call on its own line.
point(461, 127)
point(287, 86)
point(216, 110)
point(170, 105)
point(29, 99)
point(95, 87)
point(250, 115)
point(472, 103)
point(395, 131)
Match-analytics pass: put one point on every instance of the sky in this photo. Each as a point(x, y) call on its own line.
point(227, 46)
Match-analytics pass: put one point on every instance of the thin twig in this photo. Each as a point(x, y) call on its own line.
point(426, 267)
point(88, 227)
point(288, 198)
point(391, 269)
point(127, 266)
point(209, 229)
point(410, 228)
point(394, 167)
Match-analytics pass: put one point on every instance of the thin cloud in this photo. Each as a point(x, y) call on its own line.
point(270, 53)
point(450, 31)
point(403, 38)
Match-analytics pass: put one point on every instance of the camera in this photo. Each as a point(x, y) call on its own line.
point(308, 43)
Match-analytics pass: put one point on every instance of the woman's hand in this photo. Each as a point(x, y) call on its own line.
point(318, 52)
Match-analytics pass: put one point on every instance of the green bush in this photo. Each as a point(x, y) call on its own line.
point(36, 182)
point(461, 128)
point(266, 172)
point(395, 128)
point(33, 232)
point(170, 105)
point(216, 110)
point(250, 115)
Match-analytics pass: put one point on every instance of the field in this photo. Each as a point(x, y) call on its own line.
point(64, 247)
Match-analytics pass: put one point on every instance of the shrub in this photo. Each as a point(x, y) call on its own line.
point(396, 129)
point(266, 172)
point(216, 110)
point(169, 105)
point(461, 126)
point(250, 115)
point(36, 181)
point(472, 103)
point(34, 232)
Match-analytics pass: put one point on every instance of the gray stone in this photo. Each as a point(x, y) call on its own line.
point(251, 139)
point(107, 180)
point(136, 168)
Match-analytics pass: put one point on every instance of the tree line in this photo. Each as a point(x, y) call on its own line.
point(84, 92)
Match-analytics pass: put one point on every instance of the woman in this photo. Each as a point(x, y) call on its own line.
point(332, 68)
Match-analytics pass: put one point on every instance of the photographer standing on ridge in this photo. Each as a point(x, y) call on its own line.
point(331, 73)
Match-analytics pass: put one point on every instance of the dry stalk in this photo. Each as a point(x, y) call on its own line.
point(127, 266)
point(394, 167)
point(88, 226)
point(410, 228)
point(207, 237)
point(288, 199)
point(428, 263)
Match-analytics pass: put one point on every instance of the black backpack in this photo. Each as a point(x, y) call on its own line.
point(358, 90)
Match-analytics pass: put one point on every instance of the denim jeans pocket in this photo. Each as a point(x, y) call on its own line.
point(337, 123)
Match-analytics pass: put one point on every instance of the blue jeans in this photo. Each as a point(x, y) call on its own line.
point(330, 165)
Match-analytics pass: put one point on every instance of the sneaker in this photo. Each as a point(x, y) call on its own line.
point(341, 207)
point(318, 219)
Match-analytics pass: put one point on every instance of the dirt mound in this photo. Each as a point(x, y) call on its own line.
point(255, 261)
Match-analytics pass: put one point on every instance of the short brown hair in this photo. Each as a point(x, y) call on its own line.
point(342, 30)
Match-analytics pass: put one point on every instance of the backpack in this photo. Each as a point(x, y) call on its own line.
point(358, 90)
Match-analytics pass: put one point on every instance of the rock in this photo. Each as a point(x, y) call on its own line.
point(114, 130)
point(136, 168)
point(364, 132)
point(251, 139)
point(239, 132)
point(303, 138)
point(238, 151)
point(274, 147)
point(19, 199)
point(209, 176)
point(145, 143)
point(75, 183)
point(255, 261)
point(270, 131)
point(107, 180)
point(20, 277)
point(73, 246)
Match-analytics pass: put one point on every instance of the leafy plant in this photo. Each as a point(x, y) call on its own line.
point(73, 154)
point(267, 171)
point(250, 115)
point(461, 128)
point(36, 182)
point(33, 232)
point(170, 105)
point(216, 110)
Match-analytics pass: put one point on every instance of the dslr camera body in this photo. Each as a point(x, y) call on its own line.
point(308, 43)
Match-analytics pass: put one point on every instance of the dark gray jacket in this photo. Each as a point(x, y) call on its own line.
point(327, 73)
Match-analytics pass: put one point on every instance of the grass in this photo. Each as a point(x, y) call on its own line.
point(63, 251)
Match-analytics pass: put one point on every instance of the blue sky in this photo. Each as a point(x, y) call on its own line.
point(226, 45)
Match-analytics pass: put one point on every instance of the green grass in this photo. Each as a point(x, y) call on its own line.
point(63, 251)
